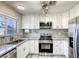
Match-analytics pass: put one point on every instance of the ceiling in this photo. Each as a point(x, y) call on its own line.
point(34, 7)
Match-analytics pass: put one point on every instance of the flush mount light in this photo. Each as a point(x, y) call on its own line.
point(20, 7)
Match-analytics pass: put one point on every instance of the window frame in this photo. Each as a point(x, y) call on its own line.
point(5, 27)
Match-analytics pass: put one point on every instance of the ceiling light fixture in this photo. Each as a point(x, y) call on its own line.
point(46, 5)
point(20, 7)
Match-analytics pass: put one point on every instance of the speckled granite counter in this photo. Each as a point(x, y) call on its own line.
point(5, 48)
point(8, 47)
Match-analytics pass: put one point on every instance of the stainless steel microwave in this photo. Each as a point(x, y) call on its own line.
point(47, 25)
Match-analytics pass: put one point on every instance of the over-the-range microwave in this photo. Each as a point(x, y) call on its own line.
point(45, 25)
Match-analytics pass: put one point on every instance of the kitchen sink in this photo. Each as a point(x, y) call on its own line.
point(15, 42)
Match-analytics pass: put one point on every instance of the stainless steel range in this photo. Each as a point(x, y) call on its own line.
point(46, 43)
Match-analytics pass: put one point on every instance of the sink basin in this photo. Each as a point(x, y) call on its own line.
point(15, 42)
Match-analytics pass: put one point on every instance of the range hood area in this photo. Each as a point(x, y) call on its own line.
point(39, 29)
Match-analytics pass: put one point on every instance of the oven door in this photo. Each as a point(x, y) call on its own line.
point(46, 47)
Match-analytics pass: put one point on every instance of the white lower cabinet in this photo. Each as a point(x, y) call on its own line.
point(66, 49)
point(60, 47)
point(33, 46)
point(22, 50)
point(36, 47)
point(57, 47)
point(26, 49)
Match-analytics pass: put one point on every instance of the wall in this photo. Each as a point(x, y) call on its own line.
point(7, 11)
point(59, 20)
point(57, 33)
point(29, 21)
point(74, 11)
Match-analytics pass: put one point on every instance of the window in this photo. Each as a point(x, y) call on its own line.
point(2, 26)
point(7, 26)
point(2, 21)
point(11, 27)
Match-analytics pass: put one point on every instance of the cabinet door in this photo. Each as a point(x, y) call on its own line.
point(65, 20)
point(36, 47)
point(66, 48)
point(59, 21)
point(20, 51)
point(55, 47)
point(26, 51)
point(56, 20)
point(58, 47)
point(42, 18)
point(31, 46)
point(31, 22)
point(61, 47)
point(34, 22)
point(26, 22)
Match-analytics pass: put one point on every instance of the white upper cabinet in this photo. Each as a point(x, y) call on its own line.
point(48, 19)
point(59, 21)
point(30, 22)
point(34, 23)
point(56, 21)
point(45, 18)
point(25, 22)
point(65, 19)
point(42, 18)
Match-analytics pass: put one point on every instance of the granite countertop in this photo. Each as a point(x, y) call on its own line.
point(29, 38)
point(5, 48)
point(60, 37)
point(8, 47)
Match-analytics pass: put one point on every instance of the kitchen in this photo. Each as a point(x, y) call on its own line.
point(38, 29)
